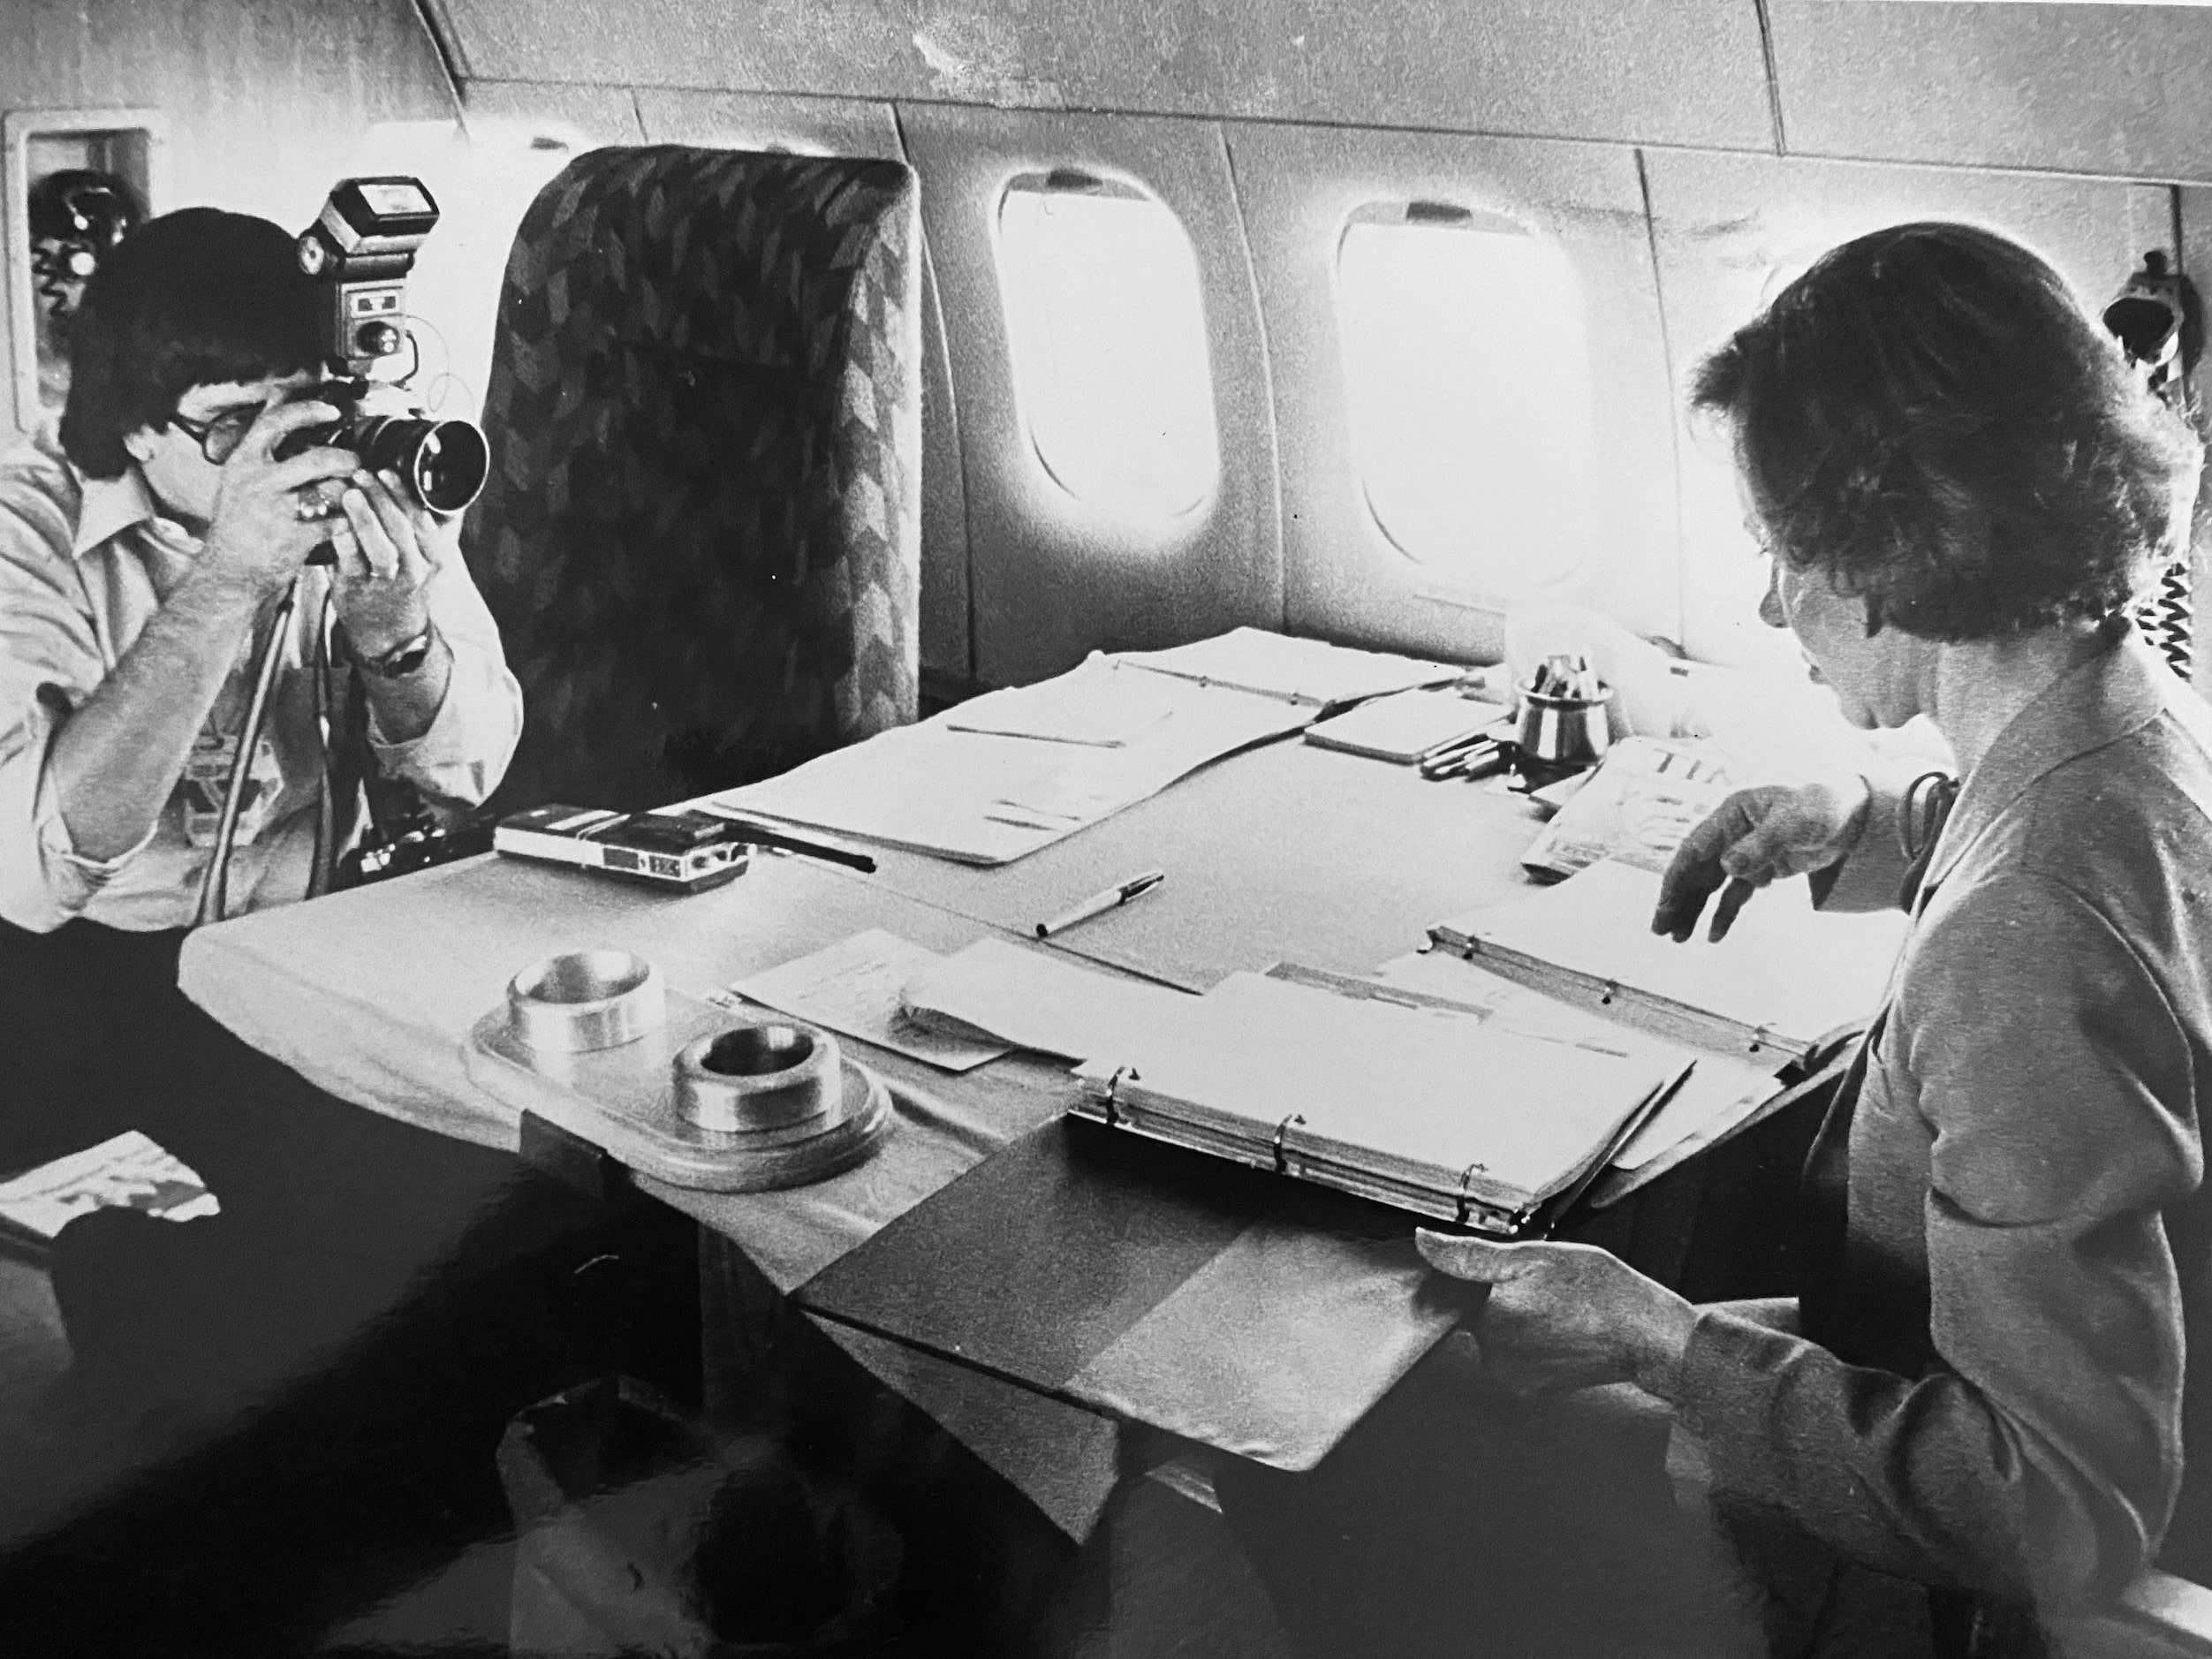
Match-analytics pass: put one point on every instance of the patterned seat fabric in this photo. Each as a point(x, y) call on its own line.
point(700, 535)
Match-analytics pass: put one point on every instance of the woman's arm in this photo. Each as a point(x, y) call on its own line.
point(2041, 1455)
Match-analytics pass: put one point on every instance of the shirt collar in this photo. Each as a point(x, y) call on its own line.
point(2114, 695)
point(111, 505)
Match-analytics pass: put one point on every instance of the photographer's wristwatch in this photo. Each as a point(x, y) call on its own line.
point(404, 659)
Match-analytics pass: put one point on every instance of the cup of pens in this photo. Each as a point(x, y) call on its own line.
point(1563, 713)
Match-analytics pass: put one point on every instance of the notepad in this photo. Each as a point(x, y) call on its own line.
point(1438, 1112)
point(1787, 977)
point(1405, 726)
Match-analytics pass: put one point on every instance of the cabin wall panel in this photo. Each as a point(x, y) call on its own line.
point(266, 102)
point(584, 113)
point(1052, 577)
point(1730, 229)
point(1669, 71)
point(1343, 576)
point(2104, 89)
point(846, 126)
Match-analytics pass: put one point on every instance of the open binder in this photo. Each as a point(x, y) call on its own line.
point(1414, 1106)
point(1788, 980)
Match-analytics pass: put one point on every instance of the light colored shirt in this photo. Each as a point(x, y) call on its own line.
point(84, 564)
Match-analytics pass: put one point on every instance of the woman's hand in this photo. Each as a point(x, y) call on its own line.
point(387, 547)
point(1565, 1316)
point(1755, 836)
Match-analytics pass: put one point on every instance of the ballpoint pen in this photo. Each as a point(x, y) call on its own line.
point(1120, 893)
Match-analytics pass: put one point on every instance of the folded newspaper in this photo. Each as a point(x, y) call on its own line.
point(1635, 808)
point(130, 1169)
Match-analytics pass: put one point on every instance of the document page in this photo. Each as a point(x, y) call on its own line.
point(1100, 702)
point(130, 1169)
point(852, 988)
point(1035, 999)
point(1303, 670)
point(1784, 967)
point(1412, 1093)
point(990, 796)
point(1722, 1088)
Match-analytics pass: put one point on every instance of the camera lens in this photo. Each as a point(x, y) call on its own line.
point(444, 462)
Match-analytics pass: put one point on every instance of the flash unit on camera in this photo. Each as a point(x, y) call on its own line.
point(362, 245)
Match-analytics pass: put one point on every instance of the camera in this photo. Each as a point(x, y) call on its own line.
point(360, 249)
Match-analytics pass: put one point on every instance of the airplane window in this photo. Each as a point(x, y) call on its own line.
point(1468, 382)
point(1108, 335)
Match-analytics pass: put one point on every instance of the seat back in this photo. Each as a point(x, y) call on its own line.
point(701, 536)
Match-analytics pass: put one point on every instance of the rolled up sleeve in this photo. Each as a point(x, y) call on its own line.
point(50, 661)
point(459, 759)
point(2041, 1456)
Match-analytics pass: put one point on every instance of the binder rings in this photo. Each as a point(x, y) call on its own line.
point(1428, 1110)
point(1787, 980)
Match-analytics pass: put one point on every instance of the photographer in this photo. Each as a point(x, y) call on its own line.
point(140, 563)
point(144, 561)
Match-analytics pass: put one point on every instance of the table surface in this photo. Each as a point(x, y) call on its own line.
point(1285, 852)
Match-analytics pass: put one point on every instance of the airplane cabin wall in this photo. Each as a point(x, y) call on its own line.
point(1715, 144)
point(1679, 152)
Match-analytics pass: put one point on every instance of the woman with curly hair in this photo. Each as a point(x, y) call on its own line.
point(1977, 1416)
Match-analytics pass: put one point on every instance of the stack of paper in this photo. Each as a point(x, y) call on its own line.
point(1787, 978)
point(1438, 1111)
point(1722, 1091)
point(1035, 999)
point(1310, 671)
point(989, 782)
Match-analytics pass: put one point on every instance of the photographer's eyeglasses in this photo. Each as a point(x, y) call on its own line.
point(219, 438)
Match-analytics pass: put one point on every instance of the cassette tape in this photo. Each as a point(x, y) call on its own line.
point(683, 851)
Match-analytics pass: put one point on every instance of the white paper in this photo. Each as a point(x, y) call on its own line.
point(129, 1169)
point(1098, 703)
point(989, 798)
point(1795, 973)
point(1036, 999)
point(1419, 1092)
point(852, 988)
point(1721, 1086)
point(1636, 809)
point(1304, 671)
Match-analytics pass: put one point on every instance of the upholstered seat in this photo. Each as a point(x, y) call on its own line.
point(700, 535)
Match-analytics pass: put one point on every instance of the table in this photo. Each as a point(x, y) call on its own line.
point(1286, 851)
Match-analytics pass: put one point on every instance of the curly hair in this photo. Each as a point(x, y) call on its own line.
point(1929, 418)
point(195, 298)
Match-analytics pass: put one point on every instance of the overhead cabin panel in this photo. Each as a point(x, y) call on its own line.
point(1470, 386)
point(1732, 230)
point(1057, 569)
point(2112, 89)
point(1672, 71)
point(852, 126)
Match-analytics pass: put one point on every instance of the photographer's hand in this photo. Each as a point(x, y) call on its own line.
point(256, 540)
point(387, 547)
